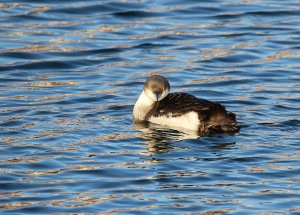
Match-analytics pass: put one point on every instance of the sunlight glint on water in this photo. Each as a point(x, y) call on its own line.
point(72, 71)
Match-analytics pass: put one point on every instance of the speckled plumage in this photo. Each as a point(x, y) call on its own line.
point(183, 109)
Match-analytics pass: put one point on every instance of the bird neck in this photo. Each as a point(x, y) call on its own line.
point(142, 107)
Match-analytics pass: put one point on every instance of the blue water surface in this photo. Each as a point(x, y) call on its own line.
point(71, 71)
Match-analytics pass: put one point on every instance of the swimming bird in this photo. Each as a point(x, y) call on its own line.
point(156, 105)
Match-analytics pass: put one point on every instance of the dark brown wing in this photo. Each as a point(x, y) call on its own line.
point(211, 114)
point(179, 104)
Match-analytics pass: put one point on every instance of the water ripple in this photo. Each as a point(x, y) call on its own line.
point(71, 72)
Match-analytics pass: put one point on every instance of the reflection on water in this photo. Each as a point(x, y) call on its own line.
point(71, 72)
point(158, 138)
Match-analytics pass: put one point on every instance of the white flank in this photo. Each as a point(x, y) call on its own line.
point(188, 121)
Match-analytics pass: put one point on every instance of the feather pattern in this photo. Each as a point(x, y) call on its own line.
point(212, 116)
point(156, 105)
point(178, 104)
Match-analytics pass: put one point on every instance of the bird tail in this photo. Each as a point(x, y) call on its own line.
point(225, 122)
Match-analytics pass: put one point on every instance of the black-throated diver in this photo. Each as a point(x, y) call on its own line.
point(156, 105)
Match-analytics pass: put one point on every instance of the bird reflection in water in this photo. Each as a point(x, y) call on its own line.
point(158, 138)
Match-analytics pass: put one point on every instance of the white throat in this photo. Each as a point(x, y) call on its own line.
point(142, 107)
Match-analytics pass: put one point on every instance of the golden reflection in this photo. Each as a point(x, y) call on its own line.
point(288, 156)
point(11, 206)
point(27, 160)
point(33, 48)
point(107, 137)
point(270, 167)
point(147, 20)
point(78, 167)
point(216, 212)
point(285, 191)
point(39, 9)
point(153, 161)
point(33, 10)
point(39, 48)
point(279, 55)
point(42, 48)
point(15, 118)
point(94, 32)
point(124, 210)
point(48, 24)
point(248, 44)
point(225, 51)
point(6, 194)
point(159, 71)
point(41, 77)
point(219, 54)
point(63, 40)
point(81, 201)
point(209, 80)
point(59, 97)
point(186, 26)
point(296, 180)
point(294, 210)
point(164, 70)
point(6, 6)
point(44, 133)
point(50, 83)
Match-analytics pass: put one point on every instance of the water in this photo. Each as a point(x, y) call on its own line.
point(71, 72)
